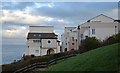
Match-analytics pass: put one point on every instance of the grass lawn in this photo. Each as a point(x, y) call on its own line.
point(100, 59)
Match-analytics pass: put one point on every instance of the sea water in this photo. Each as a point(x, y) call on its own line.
point(10, 53)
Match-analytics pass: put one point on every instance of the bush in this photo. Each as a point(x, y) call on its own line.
point(32, 55)
point(90, 43)
point(28, 60)
point(26, 57)
point(14, 66)
point(117, 37)
point(112, 39)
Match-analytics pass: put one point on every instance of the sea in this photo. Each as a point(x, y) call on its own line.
point(10, 53)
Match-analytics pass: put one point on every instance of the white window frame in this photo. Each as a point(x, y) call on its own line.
point(36, 51)
point(93, 31)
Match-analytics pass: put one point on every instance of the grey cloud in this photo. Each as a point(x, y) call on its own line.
point(14, 6)
point(75, 12)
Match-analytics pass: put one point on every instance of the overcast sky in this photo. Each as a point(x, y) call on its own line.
point(18, 16)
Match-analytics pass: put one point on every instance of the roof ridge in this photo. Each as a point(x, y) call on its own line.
point(100, 15)
point(41, 26)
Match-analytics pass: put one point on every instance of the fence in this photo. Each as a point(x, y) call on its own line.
point(42, 64)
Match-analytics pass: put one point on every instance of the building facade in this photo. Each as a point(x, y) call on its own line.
point(69, 39)
point(100, 27)
point(41, 40)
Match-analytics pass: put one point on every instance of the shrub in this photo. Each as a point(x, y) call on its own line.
point(26, 57)
point(82, 49)
point(14, 66)
point(90, 43)
point(117, 38)
point(32, 55)
point(112, 39)
point(28, 60)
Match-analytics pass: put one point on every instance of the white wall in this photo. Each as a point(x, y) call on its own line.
point(103, 33)
point(102, 30)
point(41, 29)
point(42, 46)
point(69, 32)
point(31, 43)
point(45, 43)
point(64, 40)
point(58, 48)
point(32, 50)
point(102, 18)
point(42, 50)
point(33, 47)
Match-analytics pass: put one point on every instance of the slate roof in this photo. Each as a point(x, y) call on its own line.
point(41, 36)
point(117, 21)
point(100, 15)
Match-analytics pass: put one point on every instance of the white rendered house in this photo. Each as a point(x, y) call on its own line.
point(100, 27)
point(41, 40)
point(69, 39)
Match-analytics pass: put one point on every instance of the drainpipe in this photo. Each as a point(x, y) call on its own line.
point(115, 30)
point(78, 36)
point(40, 46)
point(27, 47)
point(89, 31)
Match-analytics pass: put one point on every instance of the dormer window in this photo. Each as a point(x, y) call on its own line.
point(56, 36)
point(39, 35)
point(36, 41)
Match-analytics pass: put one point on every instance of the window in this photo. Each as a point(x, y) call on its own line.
point(58, 43)
point(65, 49)
point(36, 51)
point(34, 35)
point(72, 43)
point(66, 43)
point(81, 35)
point(49, 41)
point(72, 49)
point(36, 41)
point(39, 35)
point(72, 38)
point(60, 49)
point(86, 36)
point(93, 31)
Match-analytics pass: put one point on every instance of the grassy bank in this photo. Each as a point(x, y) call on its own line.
point(100, 59)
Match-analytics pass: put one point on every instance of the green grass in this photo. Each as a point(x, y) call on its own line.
point(100, 59)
